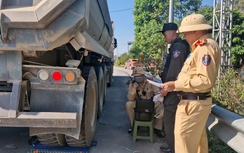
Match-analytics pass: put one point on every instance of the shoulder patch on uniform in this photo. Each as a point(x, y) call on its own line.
point(176, 53)
point(206, 59)
point(200, 42)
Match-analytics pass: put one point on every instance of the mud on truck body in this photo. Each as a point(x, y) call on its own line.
point(56, 60)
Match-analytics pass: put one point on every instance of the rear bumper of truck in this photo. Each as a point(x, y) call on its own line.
point(41, 120)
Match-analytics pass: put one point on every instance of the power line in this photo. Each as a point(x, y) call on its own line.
point(121, 10)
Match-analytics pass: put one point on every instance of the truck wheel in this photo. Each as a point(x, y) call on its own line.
point(110, 75)
point(89, 114)
point(52, 139)
point(100, 82)
point(105, 82)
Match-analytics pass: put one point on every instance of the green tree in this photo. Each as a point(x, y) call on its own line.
point(135, 50)
point(207, 11)
point(237, 50)
point(123, 58)
point(149, 16)
point(185, 7)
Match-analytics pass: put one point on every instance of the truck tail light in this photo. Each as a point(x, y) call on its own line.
point(57, 76)
point(43, 75)
point(69, 76)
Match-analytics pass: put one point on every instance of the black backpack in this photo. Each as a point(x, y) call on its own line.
point(144, 109)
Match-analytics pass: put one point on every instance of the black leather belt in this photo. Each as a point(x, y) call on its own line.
point(194, 96)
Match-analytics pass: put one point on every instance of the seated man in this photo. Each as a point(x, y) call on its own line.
point(140, 86)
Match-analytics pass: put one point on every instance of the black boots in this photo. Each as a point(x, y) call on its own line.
point(158, 133)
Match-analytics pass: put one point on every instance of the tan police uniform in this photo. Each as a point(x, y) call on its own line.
point(150, 91)
point(195, 82)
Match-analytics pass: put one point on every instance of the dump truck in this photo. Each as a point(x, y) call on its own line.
point(56, 61)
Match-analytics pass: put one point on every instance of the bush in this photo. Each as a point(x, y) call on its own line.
point(229, 94)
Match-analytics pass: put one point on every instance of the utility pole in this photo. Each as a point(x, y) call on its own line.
point(128, 47)
point(171, 11)
point(129, 43)
point(171, 14)
point(117, 54)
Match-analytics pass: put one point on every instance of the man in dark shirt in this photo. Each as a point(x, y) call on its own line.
point(177, 54)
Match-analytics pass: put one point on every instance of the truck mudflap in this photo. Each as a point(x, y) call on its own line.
point(58, 98)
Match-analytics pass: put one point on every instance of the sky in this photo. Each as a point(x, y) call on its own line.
point(121, 12)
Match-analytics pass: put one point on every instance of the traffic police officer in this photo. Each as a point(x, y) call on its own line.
point(141, 87)
point(194, 84)
point(178, 52)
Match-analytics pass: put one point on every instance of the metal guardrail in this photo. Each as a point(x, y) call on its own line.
point(226, 125)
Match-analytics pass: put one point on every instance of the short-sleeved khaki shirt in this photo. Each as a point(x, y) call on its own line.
point(200, 69)
point(150, 90)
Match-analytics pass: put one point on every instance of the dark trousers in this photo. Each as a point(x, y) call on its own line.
point(170, 105)
point(169, 125)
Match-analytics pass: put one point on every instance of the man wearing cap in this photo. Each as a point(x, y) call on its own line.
point(141, 87)
point(194, 84)
point(178, 52)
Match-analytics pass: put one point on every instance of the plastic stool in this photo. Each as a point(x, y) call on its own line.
point(149, 130)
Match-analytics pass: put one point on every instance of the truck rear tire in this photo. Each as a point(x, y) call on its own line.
point(89, 114)
point(105, 82)
point(52, 139)
point(100, 82)
point(110, 75)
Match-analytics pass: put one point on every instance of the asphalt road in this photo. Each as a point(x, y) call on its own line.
point(14, 140)
point(112, 126)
